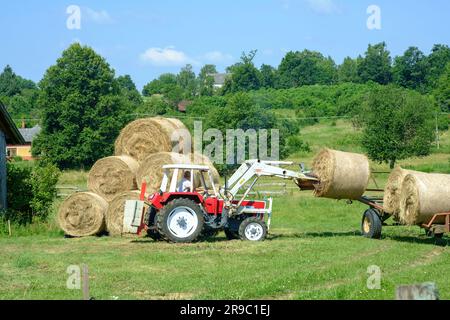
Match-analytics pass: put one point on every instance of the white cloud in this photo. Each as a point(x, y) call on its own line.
point(217, 57)
point(323, 6)
point(166, 57)
point(100, 17)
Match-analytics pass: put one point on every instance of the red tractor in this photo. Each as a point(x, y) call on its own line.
point(201, 212)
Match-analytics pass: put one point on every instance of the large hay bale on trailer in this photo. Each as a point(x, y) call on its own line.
point(83, 214)
point(423, 196)
point(342, 175)
point(114, 214)
point(393, 190)
point(113, 175)
point(143, 137)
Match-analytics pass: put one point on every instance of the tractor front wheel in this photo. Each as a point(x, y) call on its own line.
point(253, 229)
point(180, 220)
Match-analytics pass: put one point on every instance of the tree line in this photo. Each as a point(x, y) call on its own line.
point(427, 74)
point(82, 104)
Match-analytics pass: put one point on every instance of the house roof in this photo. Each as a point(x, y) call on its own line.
point(29, 134)
point(182, 105)
point(8, 127)
point(219, 78)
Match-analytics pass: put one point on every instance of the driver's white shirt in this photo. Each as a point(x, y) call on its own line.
point(185, 185)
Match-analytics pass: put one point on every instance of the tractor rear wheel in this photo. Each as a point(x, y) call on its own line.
point(253, 229)
point(371, 224)
point(180, 220)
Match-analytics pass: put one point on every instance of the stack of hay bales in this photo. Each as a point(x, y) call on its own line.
point(414, 197)
point(141, 149)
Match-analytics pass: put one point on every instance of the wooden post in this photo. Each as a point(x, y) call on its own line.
point(424, 291)
point(9, 228)
point(85, 282)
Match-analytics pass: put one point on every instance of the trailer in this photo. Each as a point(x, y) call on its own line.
point(375, 216)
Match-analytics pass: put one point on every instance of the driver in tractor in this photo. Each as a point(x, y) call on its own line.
point(185, 183)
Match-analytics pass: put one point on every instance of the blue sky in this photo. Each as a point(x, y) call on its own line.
point(147, 38)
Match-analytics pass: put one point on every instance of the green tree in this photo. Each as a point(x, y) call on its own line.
point(206, 80)
point(161, 85)
point(398, 123)
point(376, 64)
point(436, 62)
point(268, 76)
point(244, 75)
point(348, 71)
point(128, 88)
point(186, 80)
point(306, 68)
point(410, 69)
point(12, 84)
point(82, 109)
point(442, 91)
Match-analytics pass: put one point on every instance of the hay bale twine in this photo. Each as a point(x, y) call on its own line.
point(143, 137)
point(151, 170)
point(113, 175)
point(114, 215)
point(83, 214)
point(423, 195)
point(393, 190)
point(342, 175)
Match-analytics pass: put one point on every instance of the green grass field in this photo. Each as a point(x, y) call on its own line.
point(314, 251)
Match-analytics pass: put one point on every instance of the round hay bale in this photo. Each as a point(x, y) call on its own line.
point(393, 190)
point(83, 214)
point(114, 215)
point(424, 195)
point(143, 137)
point(342, 175)
point(200, 159)
point(151, 168)
point(113, 175)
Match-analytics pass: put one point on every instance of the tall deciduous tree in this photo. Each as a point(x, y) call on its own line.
point(376, 64)
point(162, 85)
point(12, 84)
point(206, 80)
point(244, 75)
point(128, 88)
point(187, 81)
point(436, 62)
point(269, 76)
point(410, 69)
point(348, 71)
point(82, 108)
point(306, 68)
point(398, 123)
point(442, 91)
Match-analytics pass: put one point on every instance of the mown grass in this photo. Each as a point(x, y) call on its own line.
point(314, 251)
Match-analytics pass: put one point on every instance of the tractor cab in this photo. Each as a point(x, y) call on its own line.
point(201, 180)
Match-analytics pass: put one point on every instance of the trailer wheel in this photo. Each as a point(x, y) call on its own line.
point(371, 224)
point(180, 220)
point(253, 229)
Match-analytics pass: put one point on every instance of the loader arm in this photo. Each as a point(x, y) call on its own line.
point(253, 169)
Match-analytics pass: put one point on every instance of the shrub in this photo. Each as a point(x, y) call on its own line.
point(19, 194)
point(296, 144)
point(31, 191)
point(44, 178)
